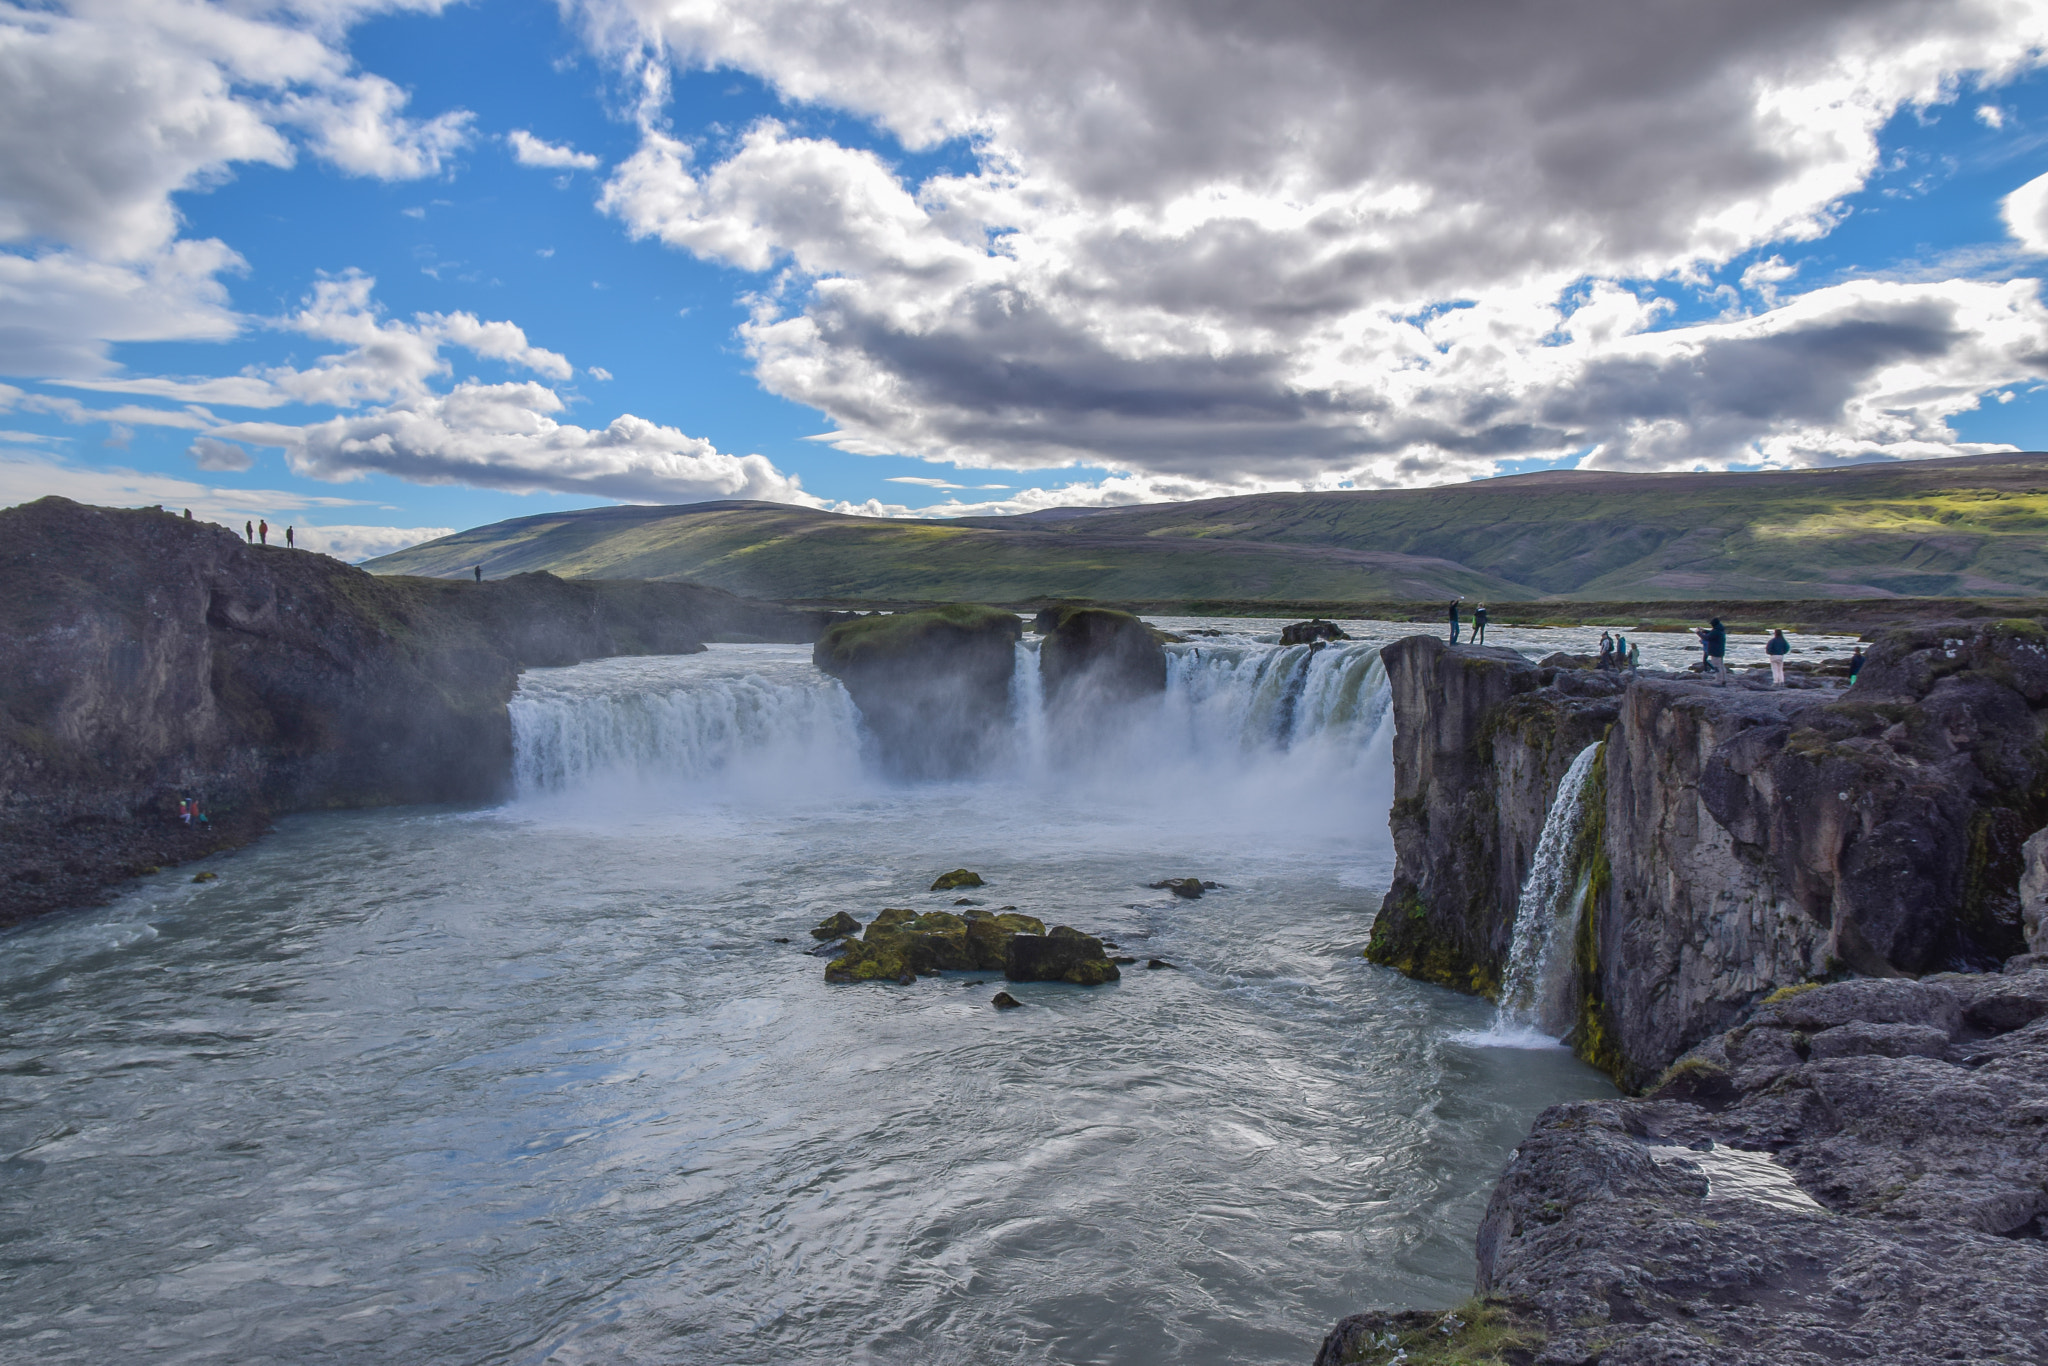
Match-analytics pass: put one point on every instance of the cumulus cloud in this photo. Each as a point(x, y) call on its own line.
point(2026, 215)
point(109, 107)
point(209, 454)
point(1235, 244)
point(505, 436)
point(28, 475)
point(529, 150)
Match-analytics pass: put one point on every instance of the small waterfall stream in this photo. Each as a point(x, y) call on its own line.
point(1535, 1009)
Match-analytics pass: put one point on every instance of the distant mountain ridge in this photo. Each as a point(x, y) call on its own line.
point(1971, 526)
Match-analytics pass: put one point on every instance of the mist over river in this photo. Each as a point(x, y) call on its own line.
point(537, 1083)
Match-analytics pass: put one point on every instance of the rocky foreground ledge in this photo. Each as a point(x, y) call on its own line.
point(148, 657)
point(1858, 1172)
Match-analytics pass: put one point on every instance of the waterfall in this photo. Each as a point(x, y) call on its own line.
point(689, 720)
point(1286, 738)
point(1534, 994)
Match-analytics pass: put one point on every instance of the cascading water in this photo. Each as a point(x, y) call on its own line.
point(560, 1080)
point(1533, 998)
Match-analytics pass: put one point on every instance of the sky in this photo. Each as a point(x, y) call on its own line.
point(387, 270)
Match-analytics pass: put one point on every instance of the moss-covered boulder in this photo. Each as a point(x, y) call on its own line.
point(902, 945)
point(836, 926)
point(959, 877)
point(932, 685)
point(1308, 632)
point(1096, 655)
point(1063, 955)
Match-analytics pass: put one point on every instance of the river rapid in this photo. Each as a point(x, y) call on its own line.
point(541, 1083)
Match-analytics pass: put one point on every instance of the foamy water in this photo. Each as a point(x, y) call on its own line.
point(538, 1083)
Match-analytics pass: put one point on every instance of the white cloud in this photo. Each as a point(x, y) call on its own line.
point(2025, 211)
point(28, 475)
point(209, 454)
point(358, 543)
point(598, 372)
point(109, 107)
point(529, 150)
point(505, 436)
point(1991, 116)
point(1213, 243)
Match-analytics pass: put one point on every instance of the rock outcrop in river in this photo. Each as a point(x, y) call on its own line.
point(1857, 1172)
point(149, 657)
point(932, 685)
point(901, 945)
point(1094, 655)
point(1739, 839)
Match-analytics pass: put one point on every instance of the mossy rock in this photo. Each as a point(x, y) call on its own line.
point(959, 877)
point(851, 643)
point(1480, 1332)
point(836, 926)
point(871, 960)
point(1062, 955)
point(206, 877)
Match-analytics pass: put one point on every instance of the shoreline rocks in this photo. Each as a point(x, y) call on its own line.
point(900, 945)
point(1857, 1171)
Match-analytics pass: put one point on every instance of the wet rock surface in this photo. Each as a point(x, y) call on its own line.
point(1307, 632)
point(901, 945)
point(1062, 955)
point(1094, 655)
point(1857, 1172)
point(149, 658)
point(1187, 887)
point(1743, 838)
point(932, 685)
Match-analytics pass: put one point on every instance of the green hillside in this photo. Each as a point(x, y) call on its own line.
point(772, 550)
point(1967, 527)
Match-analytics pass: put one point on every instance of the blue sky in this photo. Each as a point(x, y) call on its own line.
point(957, 270)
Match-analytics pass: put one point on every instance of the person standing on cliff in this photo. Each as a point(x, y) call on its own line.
point(1777, 648)
point(263, 531)
point(287, 538)
point(249, 532)
point(1454, 622)
point(1606, 650)
point(1635, 657)
point(1855, 665)
point(1715, 640)
point(479, 573)
point(1479, 624)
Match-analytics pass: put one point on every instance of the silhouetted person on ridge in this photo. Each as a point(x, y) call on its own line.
point(479, 573)
point(249, 532)
point(1777, 647)
point(1454, 623)
point(287, 538)
point(1479, 624)
point(263, 531)
point(188, 514)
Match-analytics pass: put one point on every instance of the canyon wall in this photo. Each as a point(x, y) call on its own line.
point(150, 657)
point(1744, 838)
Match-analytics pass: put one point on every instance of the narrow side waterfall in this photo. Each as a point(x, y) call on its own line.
point(1533, 996)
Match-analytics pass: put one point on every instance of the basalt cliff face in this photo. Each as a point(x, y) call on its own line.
point(150, 657)
point(1803, 916)
point(1741, 838)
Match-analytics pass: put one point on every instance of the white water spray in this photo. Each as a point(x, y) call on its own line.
point(1534, 1004)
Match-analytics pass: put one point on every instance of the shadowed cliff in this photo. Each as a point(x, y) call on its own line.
point(151, 658)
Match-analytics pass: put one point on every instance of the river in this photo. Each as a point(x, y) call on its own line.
point(543, 1083)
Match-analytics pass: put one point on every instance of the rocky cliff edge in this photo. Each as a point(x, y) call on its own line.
point(150, 658)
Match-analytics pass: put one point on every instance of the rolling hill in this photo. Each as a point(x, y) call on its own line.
point(1966, 527)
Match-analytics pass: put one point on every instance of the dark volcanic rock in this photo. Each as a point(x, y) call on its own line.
point(1305, 632)
point(836, 926)
point(1003, 1000)
point(933, 686)
point(1189, 887)
point(149, 657)
point(1882, 1199)
point(1064, 955)
point(1738, 840)
point(1481, 739)
point(1093, 655)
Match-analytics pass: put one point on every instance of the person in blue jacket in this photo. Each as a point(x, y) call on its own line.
point(1454, 622)
point(1714, 644)
point(1777, 648)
